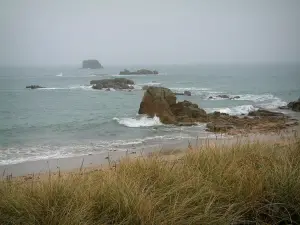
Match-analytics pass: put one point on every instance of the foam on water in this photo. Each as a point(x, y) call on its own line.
point(237, 110)
point(151, 84)
point(198, 91)
point(272, 105)
point(139, 122)
point(140, 86)
point(132, 75)
point(59, 75)
point(44, 152)
point(73, 87)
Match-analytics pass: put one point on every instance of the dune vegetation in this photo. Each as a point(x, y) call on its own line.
point(245, 183)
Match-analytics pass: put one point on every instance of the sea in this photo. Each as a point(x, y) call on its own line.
point(69, 118)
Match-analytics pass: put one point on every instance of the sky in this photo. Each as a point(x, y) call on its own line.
point(65, 32)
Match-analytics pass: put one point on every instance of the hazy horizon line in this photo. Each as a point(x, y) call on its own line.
point(78, 65)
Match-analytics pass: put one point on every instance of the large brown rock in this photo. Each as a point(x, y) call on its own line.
point(161, 102)
point(158, 101)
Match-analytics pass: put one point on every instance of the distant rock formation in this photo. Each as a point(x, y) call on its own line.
point(138, 72)
point(34, 86)
point(116, 83)
point(162, 102)
point(91, 64)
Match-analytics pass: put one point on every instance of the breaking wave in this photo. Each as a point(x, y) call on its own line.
point(139, 122)
point(237, 110)
point(75, 87)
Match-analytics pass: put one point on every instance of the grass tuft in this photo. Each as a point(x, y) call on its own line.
point(242, 184)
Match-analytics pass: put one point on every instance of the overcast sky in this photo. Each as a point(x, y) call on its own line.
point(57, 32)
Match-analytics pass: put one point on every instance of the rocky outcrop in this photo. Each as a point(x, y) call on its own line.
point(116, 83)
point(295, 106)
point(138, 72)
point(34, 86)
point(158, 101)
point(91, 64)
point(186, 93)
point(162, 102)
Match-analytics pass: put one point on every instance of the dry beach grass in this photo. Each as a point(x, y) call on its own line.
point(245, 183)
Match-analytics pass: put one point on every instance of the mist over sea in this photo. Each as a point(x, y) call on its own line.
point(69, 118)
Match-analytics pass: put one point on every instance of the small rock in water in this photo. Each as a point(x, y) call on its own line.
point(34, 86)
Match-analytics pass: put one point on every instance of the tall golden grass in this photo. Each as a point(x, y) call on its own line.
point(242, 184)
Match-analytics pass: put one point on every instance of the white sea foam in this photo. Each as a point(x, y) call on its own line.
point(59, 75)
point(237, 110)
point(151, 84)
point(73, 87)
point(273, 104)
point(140, 86)
point(267, 101)
point(257, 98)
point(139, 122)
point(131, 75)
point(44, 152)
point(200, 91)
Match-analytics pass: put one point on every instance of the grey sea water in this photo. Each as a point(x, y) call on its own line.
point(70, 118)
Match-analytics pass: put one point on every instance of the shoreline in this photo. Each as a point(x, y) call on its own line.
point(104, 159)
point(31, 169)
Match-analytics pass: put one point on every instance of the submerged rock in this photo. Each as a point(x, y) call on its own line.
point(225, 97)
point(116, 83)
point(138, 72)
point(91, 64)
point(186, 93)
point(162, 102)
point(34, 86)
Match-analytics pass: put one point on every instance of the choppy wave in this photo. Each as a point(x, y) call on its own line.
point(139, 122)
point(74, 87)
point(132, 75)
point(237, 110)
point(43, 152)
point(273, 104)
point(153, 83)
point(198, 91)
point(141, 85)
